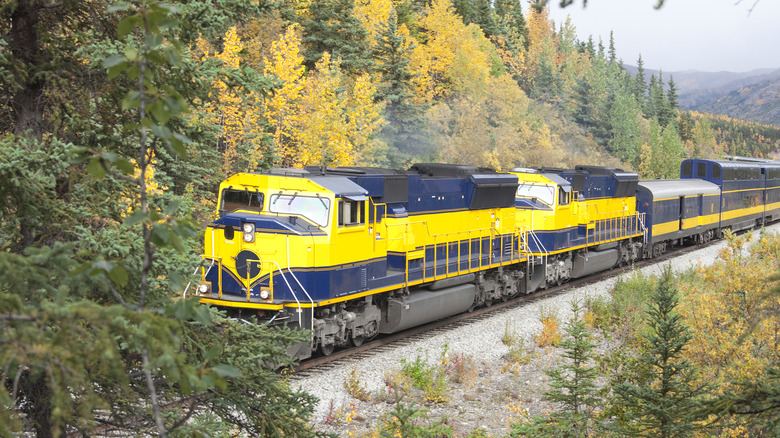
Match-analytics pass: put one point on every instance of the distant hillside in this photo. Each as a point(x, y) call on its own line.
point(753, 95)
point(688, 81)
point(756, 99)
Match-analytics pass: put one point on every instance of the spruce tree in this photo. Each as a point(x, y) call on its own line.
point(584, 103)
point(685, 126)
point(486, 17)
point(612, 52)
point(405, 131)
point(332, 27)
point(671, 94)
point(758, 398)
point(95, 338)
point(510, 13)
point(667, 399)
point(572, 387)
point(650, 106)
point(640, 86)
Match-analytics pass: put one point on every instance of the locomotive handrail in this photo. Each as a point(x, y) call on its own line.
point(607, 229)
point(301, 286)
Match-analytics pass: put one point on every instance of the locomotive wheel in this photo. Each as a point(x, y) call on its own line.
point(327, 350)
point(357, 341)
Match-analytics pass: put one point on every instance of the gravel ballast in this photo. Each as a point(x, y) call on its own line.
point(493, 397)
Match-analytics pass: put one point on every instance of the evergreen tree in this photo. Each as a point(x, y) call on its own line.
point(757, 398)
point(332, 27)
point(662, 111)
point(93, 252)
point(466, 9)
point(547, 85)
point(640, 86)
point(669, 112)
point(672, 96)
point(572, 387)
point(583, 103)
point(667, 400)
point(485, 17)
point(612, 52)
point(651, 104)
point(601, 49)
point(591, 47)
point(511, 17)
point(406, 127)
point(685, 128)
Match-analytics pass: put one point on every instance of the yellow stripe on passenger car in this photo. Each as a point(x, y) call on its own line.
point(740, 212)
point(667, 227)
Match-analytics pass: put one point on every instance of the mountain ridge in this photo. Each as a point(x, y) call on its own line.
point(753, 95)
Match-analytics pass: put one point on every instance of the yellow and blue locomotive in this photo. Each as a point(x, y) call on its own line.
point(349, 253)
point(578, 221)
point(352, 252)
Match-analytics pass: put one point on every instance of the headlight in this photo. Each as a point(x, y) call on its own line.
point(203, 288)
point(265, 294)
point(249, 233)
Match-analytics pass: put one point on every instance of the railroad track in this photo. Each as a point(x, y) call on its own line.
point(382, 343)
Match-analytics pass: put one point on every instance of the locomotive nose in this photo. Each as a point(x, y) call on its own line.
point(248, 264)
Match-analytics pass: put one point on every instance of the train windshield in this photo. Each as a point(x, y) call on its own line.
point(542, 193)
point(233, 200)
point(316, 209)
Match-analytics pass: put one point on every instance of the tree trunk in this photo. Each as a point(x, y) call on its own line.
point(24, 44)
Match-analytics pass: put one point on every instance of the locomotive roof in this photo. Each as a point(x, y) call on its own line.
point(738, 164)
point(671, 188)
point(341, 186)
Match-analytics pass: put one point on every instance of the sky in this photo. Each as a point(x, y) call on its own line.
point(704, 35)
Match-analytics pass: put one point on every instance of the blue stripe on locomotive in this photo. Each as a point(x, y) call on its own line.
point(335, 281)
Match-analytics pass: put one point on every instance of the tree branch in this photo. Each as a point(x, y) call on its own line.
point(11, 317)
point(153, 395)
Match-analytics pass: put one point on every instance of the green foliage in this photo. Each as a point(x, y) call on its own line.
point(408, 422)
point(572, 387)
point(331, 27)
point(96, 238)
point(406, 129)
point(354, 386)
point(665, 399)
point(430, 379)
point(758, 398)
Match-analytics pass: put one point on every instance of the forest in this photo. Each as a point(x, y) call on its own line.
point(119, 119)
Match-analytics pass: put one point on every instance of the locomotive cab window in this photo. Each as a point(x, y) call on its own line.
point(351, 212)
point(564, 197)
point(314, 208)
point(233, 200)
point(537, 192)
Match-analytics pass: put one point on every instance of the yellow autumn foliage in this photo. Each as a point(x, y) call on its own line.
point(373, 14)
point(453, 57)
point(727, 307)
point(282, 109)
point(235, 112)
point(335, 119)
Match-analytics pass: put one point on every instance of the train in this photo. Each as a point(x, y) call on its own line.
point(348, 253)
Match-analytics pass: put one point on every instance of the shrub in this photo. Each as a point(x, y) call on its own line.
point(427, 378)
point(355, 387)
point(550, 334)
